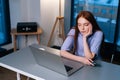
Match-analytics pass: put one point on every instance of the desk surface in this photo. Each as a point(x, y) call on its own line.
point(22, 61)
point(14, 32)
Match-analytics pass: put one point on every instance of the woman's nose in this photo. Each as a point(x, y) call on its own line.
point(82, 27)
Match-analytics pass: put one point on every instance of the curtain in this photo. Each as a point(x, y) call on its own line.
point(4, 22)
point(117, 34)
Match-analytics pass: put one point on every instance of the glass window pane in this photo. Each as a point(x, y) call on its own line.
point(105, 12)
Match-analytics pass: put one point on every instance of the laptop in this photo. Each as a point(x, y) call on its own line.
point(51, 59)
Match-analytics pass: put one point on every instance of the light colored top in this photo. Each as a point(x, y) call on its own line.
point(94, 42)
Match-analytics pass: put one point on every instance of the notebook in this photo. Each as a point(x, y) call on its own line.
point(51, 59)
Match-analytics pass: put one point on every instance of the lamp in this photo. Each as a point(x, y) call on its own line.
point(59, 19)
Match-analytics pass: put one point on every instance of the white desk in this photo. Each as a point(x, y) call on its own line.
point(23, 62)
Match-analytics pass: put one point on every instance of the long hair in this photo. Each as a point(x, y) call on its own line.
point(88, 16)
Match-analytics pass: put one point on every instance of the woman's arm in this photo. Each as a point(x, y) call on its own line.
point(88, 53)
point(67, 45)
point(71, 56)
point(93, 48)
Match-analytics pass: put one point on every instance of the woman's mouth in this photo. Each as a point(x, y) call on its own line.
point(82, 31)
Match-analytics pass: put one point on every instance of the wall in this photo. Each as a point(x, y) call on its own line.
point(44, 12)
point(49, 12)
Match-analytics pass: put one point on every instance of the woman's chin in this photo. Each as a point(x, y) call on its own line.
point(82, 34)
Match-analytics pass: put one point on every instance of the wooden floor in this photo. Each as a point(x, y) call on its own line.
point(6, 74)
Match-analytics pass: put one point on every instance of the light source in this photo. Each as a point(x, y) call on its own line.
point(59, 19)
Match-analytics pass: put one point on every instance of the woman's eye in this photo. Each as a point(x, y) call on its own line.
point(86, 24)
point(79, 25)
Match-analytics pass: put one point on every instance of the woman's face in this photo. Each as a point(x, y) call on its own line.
point(84, 26)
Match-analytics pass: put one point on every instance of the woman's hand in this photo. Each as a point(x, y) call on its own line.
point(88, 32)
point(87, 61)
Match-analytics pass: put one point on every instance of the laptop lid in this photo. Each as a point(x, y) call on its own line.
point(51, 59)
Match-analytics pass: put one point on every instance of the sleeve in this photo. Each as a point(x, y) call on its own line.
point(71, 32)
point(69, 41)
point(95, 45)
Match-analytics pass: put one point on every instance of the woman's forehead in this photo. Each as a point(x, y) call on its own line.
point(82, 20)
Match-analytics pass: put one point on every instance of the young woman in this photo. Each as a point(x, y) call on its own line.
point(84, 40)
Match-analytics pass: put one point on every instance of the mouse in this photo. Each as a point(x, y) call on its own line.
point(94, 63)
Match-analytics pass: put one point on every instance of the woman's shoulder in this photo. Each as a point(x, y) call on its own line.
point(71, 32)
point(97, 33)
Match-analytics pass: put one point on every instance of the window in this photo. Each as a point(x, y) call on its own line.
point(5, 37)
point(105, 12)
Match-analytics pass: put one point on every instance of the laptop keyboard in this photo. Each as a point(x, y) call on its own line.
point(68, 68)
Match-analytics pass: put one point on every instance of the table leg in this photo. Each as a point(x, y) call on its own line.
point(28, 78)
point(18, 76)
point(14, 40)
point(38, 38)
